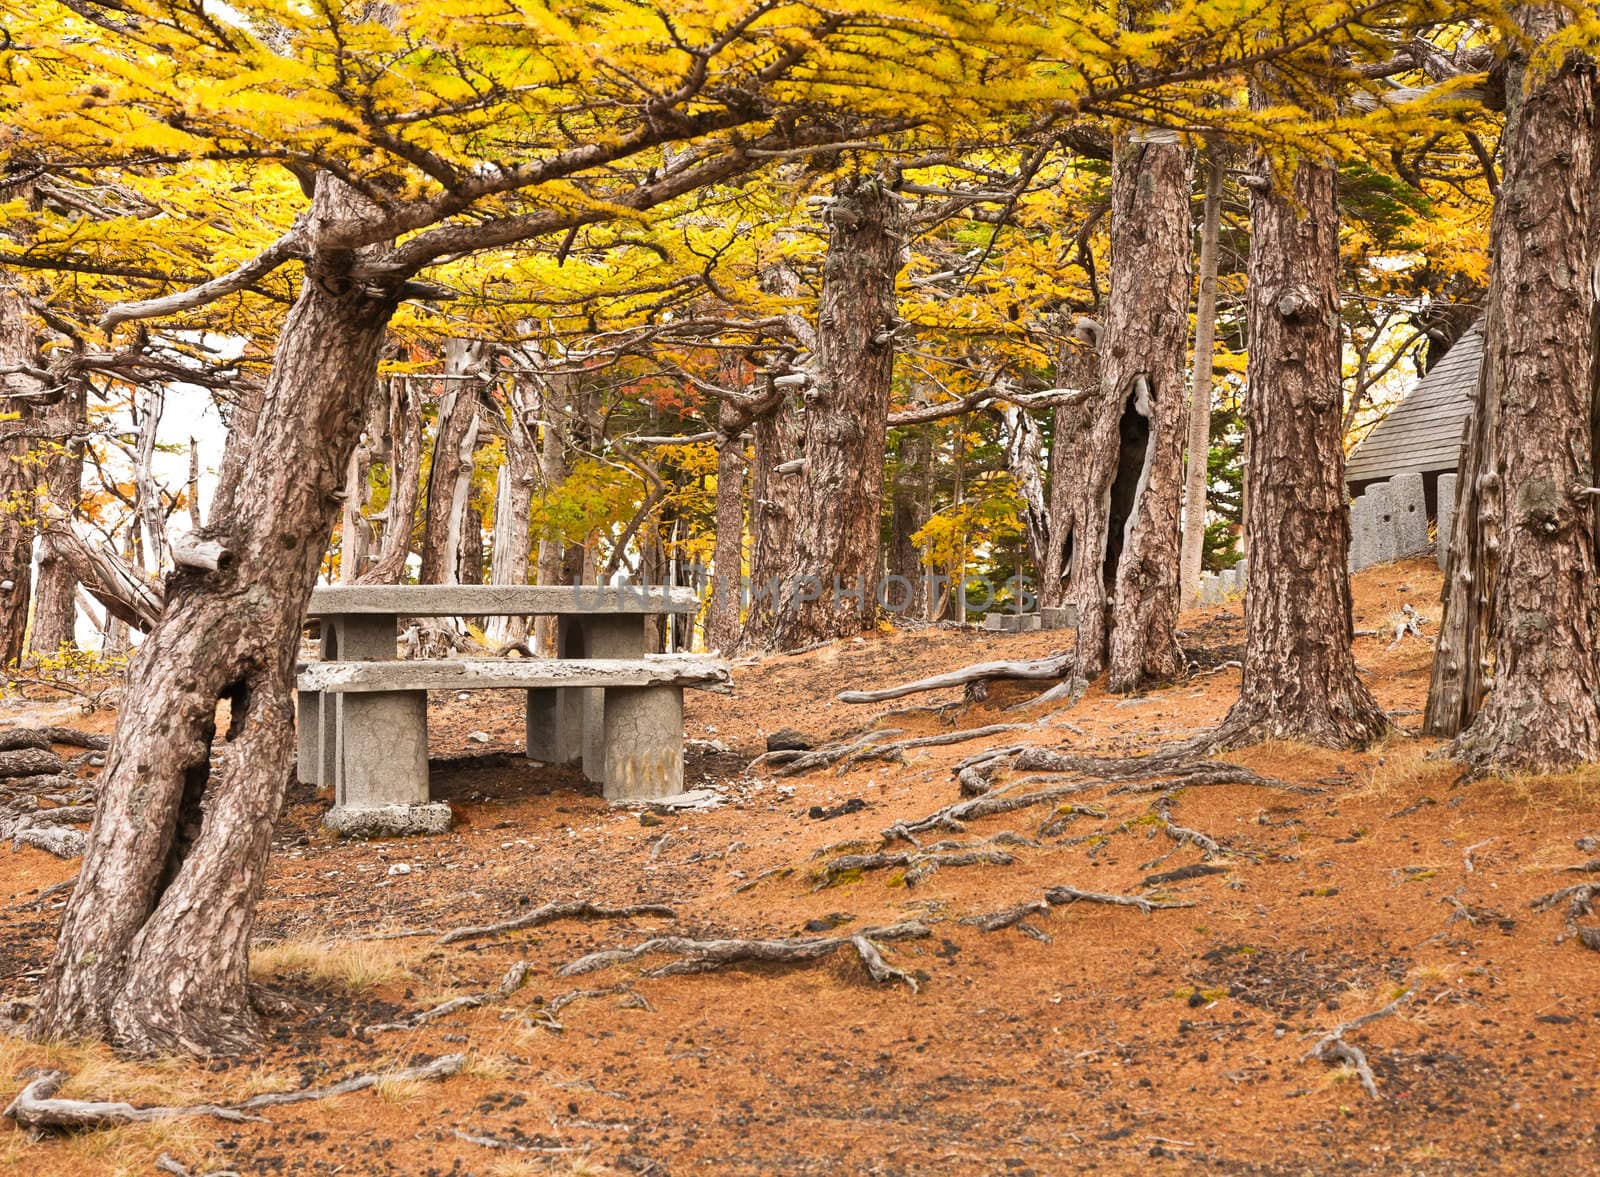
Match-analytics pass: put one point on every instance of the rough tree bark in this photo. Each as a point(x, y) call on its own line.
point(909, 510)
point(1196, 473)
point(1070, 510)
point(55, 608)
point(1299, 677)
point(450, 475)
point(727, 556)
point(1126, 481)
point(355, 529)
point(560, 393)
point(148, 506)
point(1147, 341)
point(152, 946)
point(405, 461)
point(1523, 591)
point(836, 529)
point(1024, 442)
point(18, 349)
point(513, 506)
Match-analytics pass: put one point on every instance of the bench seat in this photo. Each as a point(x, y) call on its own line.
point(467, 674)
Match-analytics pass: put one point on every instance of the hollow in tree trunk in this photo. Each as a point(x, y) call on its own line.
point(1146, 345)
point(152, 946)
point(832, 575)
point(1299, 676)
point(1523, 590)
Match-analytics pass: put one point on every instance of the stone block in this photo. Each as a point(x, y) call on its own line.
point(1408, 504)
point(643, 743)
point(1029, 622)
point(554, 725)
point(1065, 617)
point(308, 736)
point(994, 622)
point(382, 751)
point(1447, 517)
point(1380, 523)
point(389, 821)
point(1360, 534)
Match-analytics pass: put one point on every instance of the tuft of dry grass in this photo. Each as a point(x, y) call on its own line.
point(353, 966)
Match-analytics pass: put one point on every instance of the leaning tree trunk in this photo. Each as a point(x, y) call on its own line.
point(1024, 442)
point(147, 491)
point(55, 606)
point(1523, 597)
point(1197, 472)
point(832, 577)
point(727, 553)
point(152, 946)
point(513, 506)
point(450, 475)
point(1299, 676)
point(405, 460)
point(18, 349)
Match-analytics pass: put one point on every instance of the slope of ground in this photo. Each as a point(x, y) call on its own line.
point(1091, 1037)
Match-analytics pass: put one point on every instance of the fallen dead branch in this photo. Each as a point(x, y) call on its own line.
point(31, 762)
point(36, 1108)
point(1332, 1048)
point(545, 1016)
point(1043, 668)
point(514, 979)
point(576, 909)
point(700, 956)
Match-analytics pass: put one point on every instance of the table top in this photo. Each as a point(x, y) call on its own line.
point(492, 600)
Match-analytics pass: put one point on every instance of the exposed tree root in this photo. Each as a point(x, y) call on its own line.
point(545, 1016)
point(1054, 897)
point(1155, 773)
point(1052, 667)
point(31, 761)
point(700, 956)
point(794, 761)
point(514, 979)
point(576, 909)
point(953, 817)
point(57, 840)
point(1580, 899)
point(1332, 1048)
point(921, 863)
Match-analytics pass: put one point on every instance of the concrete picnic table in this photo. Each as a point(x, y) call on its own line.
point(363, 726)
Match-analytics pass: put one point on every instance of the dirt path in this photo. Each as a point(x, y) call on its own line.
point(1092, 1037)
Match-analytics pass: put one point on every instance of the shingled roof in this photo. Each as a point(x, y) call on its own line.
point(1422, 434)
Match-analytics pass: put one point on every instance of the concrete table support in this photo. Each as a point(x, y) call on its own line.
point(383, 767)
point(613, 635)
point(643, 743)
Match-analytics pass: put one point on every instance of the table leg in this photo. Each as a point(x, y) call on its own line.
point(382, 752)
point(643, 743)
point(308, 736)
point(555, 725)
point(605, 635)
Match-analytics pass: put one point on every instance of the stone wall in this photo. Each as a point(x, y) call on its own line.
point(1388, 522)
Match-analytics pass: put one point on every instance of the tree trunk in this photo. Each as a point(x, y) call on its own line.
point(1196, 474)
point(833, 572)
point(560, 391)
point(355, 537)
point(513, 506)
point(450, 475)
point(1147, 343)
point(405, 461)
point(908, 514)
point(1025, 462)
point(152, 946)
point(1523, 587)
point(1299, 677)
point(18, 347)
point(727, 553)
point(774, 503)
point(55, 607)
point(152, 513)
point(1070, 514)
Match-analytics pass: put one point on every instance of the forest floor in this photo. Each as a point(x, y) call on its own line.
point(1092, 1037)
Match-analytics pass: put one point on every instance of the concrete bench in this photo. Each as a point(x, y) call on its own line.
point(605, 703)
